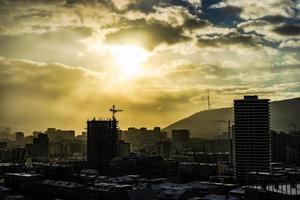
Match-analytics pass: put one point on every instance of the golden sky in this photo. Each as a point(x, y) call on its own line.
point(63, 62)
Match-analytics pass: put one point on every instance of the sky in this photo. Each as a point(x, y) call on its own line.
point(64, 62)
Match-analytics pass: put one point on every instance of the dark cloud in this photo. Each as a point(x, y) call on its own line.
point(148, 6)
point(229, 11)
point(104, 3)
point(148, 34)
point(145, 6)
point(195, 23)
point(288, 29)
point(219, 40)
point(275, 19)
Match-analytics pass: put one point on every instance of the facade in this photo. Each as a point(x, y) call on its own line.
point(251, 136)
point(180, 138)
point(19, 139)
point(102, 144)
point(163, 148)
point(285, 148)
point(124, 148)
point(40, 147)
point(19, 136)
point(143, 138)
point(58, 134)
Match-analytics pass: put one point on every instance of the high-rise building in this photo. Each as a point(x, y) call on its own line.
point(19, 136)
point(19, 139)
point(163, 148)
point(102, 144)
point(40, 147)
point(180, 138)
point(252, 150)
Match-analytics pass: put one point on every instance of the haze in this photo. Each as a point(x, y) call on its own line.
point(66, 61)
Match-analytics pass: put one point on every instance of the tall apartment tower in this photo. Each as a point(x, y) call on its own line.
point(40, 147)
point(252, 151)
point(102, 144)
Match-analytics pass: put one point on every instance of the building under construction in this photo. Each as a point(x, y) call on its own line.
point(102, 143)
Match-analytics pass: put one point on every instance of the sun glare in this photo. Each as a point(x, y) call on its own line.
point(130, 59)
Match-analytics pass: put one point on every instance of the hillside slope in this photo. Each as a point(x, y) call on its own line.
point(203, 123)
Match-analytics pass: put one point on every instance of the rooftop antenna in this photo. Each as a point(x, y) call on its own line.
point(114, 111)
point(208, 102)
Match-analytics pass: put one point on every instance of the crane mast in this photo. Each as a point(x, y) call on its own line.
point(114, 110)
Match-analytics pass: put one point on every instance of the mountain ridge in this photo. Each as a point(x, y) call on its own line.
point(203, 123)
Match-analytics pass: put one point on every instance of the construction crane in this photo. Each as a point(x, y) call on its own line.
point(229, 137)
point(114, 111)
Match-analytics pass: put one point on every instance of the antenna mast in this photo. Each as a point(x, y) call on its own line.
point(208, 101)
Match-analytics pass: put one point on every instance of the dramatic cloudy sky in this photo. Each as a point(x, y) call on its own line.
point(62, 62)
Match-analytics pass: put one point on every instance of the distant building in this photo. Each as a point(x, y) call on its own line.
point(285, 148)
point(35, 134)
point(51, 132)
point(102, 144)
point(40, 147)
point(82, 137)
point(19, 139)
point(156, 130)
point(3, 145)
point(163, 148)
point(124, 148)
point(19, 136)
point(149, 166)
point(282, 147)
point(59, 135)
point(251, 136)
point(190, 171)
point(180, 138)
point(143, 138)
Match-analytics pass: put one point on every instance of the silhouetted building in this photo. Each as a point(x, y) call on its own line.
point(251, 136)
point(191, 171)
point(143, 138)
point(40, 147)
point(19, 136)
point(282, 147)
point(124, 148)
point(180, 138)
point(285, 148)
point(163, 148)
point(3, 145)
point(58, 134)
point(19, 139)
point(144, 165)
point(35, 134)
point(156, 130)
point(102, 144)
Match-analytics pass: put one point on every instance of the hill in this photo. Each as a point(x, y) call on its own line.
point(203, 124)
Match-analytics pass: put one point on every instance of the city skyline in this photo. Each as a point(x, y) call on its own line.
point(149, 99)
point(64, 62)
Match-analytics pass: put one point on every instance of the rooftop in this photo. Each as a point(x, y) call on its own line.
point(287, 189)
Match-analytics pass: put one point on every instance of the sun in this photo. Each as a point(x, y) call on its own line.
point(130, 58)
